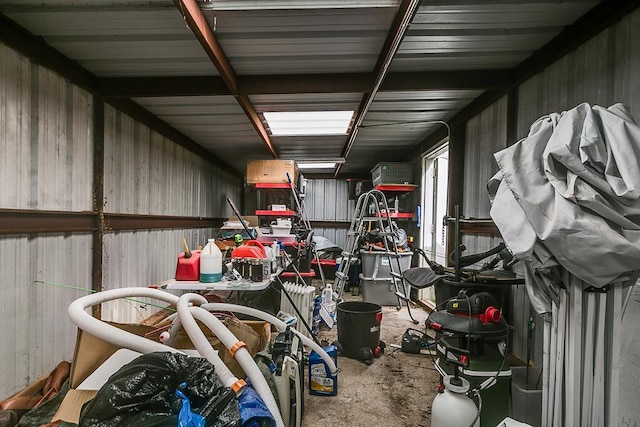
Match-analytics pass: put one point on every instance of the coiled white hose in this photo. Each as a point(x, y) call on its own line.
point(200, 341)
point(125, 339)
point(111, 334)
point(242, 355)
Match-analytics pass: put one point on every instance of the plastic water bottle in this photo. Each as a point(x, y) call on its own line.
point(211, 263)
point(275, 251)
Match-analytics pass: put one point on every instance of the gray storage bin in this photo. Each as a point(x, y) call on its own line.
point(392, 173)
point(381, 291)
point(526, 396)
point(375, 264)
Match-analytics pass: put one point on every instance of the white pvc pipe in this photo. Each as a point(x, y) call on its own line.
point(200, 341)
point(187, 317)
point(106, 332)
point(243, 357)
point(279, 324)
point(546, 369)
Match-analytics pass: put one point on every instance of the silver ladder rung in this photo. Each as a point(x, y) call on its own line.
point(402, 296)
point(394, 274)
point(340, 275)
point(345, 253)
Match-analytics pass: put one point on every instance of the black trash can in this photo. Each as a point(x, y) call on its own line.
point(358, 326)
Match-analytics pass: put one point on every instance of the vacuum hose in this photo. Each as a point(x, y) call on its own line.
point(186, 314)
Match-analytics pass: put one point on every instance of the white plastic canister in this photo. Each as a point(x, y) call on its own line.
point(211, 263)
point(452, 408)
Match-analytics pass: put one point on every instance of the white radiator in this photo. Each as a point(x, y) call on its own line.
point(302, 296)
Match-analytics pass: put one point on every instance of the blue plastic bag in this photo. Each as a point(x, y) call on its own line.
point(253, 411)
point(186, 418)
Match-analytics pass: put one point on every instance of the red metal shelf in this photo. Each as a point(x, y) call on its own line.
point(310, 273)
point(266, 212)
point(273, 185)
point(401, 215)
point(396, 187)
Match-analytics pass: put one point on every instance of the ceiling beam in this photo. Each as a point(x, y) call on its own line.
point(198, 24)
point(131, 87)
point(400, 25)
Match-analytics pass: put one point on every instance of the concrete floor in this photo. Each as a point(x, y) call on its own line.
point(395, 390)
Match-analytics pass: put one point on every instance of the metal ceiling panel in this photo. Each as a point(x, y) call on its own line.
point(397, 121)
point(217, 123)
point(466, 35)
point(302, 41)
point(113, 39)
point(275, 38)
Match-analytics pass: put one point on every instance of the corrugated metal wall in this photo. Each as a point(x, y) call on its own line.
point(47, 154)
point(46, 162)
point(603, 71)
point(328, 200)
point(146, 173)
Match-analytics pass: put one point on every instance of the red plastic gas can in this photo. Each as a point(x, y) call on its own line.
point(188, 268)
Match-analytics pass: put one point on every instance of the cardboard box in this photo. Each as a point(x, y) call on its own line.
point(255, 334)
point(91, 352)
point(271, 171)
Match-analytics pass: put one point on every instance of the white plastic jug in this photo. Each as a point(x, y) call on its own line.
point(211, 263)
point(453, 408)
point(327, 294)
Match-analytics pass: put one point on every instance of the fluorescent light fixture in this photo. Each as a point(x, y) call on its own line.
point(297, 123)
point(326, 163)
point(293, 4)
point(318, 165)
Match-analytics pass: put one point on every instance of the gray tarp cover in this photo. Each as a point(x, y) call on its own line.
point(569, 194)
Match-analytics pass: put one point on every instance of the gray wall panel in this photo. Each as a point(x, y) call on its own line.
point(328, 200)
point(142, 258)
point(46, 142)
point(146, 173)
point(46, 163)
point(602, 71)
point(36, 332)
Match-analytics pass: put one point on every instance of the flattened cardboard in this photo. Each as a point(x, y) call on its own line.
point(255, 334)
point(69, 409)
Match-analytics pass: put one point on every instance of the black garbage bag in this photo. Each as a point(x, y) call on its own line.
point(143, 394)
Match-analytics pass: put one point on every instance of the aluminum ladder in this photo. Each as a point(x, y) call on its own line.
point(372, 212)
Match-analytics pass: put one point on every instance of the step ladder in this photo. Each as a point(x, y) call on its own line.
point(372, 212)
